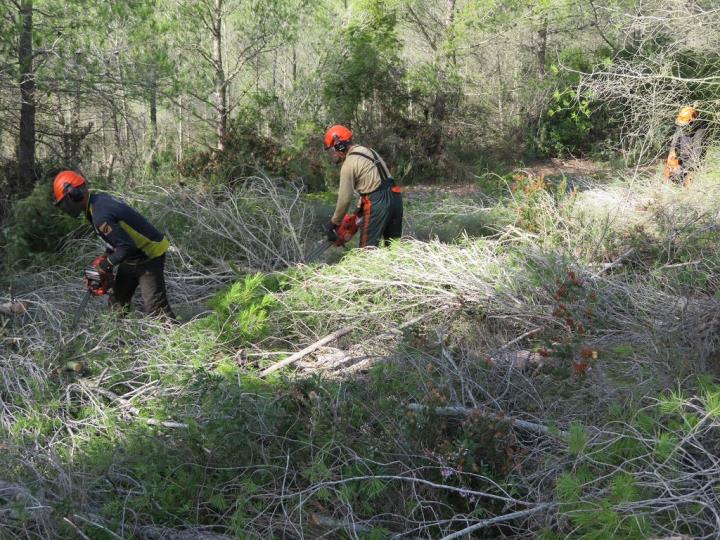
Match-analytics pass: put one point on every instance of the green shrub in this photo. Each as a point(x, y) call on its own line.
point(36, 229)
point(241, 311)
point(247, 152)
point(571, 124)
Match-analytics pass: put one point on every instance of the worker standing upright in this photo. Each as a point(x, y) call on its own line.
point(686, 147)
point(365, 172)
point(135, 248)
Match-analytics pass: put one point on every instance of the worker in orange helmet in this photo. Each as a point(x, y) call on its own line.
point(135, 254)
point(364, 171)
point(686, 148)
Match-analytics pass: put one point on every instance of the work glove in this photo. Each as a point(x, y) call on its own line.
point(103, 263)
point(331, 231)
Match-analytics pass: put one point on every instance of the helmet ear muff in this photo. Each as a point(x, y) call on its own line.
point(338, 145)
point(75, 194)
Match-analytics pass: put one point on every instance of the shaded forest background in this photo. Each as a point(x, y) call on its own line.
point(172, 90)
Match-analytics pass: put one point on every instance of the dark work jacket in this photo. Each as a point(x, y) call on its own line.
point(688, 143)
point(130, 237)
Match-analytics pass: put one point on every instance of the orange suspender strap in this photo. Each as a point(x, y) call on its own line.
point(366, 206)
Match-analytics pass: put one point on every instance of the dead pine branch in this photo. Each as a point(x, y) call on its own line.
point(337, 524)
point(463, 412)
point(149, 532)
point(355, 528)
point(307, 350)
point(127, 406)
point(614, 264)
point(520, 338)
point(497, 519)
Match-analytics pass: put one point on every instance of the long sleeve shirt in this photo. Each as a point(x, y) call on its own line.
point(687, 143)
point(128, 235)
point(356, 174)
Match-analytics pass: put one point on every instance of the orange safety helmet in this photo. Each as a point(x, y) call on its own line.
point(68, 183)
point(338, 137)
point(686, 115)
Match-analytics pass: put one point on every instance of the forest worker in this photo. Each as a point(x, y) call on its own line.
point(365, 172)
point(135, 249)
point(686, 147)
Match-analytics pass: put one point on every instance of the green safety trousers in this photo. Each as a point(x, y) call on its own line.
point(382, 212)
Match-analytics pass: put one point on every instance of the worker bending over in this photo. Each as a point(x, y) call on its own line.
point(135, 249)
point(364, 171)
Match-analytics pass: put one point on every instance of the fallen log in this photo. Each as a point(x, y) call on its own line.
point(463, 412)
point(338, 334)
point(614, 264)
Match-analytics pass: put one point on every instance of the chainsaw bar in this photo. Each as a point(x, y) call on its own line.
point(344, 232)
point(318, 250)
point(80, 309)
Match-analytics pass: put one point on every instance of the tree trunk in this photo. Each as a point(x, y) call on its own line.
point(541, 48)
point(74, 135)
point(181, 131)
point(116, 132)
point(123, 95)
point(152, 97)
point(132, 152)
point(450, 31)
point(220, 83)
point(26, 146)
point(103, 137)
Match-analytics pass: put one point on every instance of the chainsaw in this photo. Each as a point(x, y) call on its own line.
point(97, 283)
point(344, 232)
point(673, 168)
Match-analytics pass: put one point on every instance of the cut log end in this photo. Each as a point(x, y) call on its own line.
point(13, 308)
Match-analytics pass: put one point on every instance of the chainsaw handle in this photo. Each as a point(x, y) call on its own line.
point(347, 229)
point(98, 281)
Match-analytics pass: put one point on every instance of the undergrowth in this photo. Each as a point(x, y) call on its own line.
point(541, 371)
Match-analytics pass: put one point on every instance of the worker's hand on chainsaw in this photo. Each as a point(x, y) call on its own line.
point(331, 231)
point(102, 286)
point(101, 262)
point(99, 278)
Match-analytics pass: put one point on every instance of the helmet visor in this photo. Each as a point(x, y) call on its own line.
point(70, 207)
point(335, 156)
